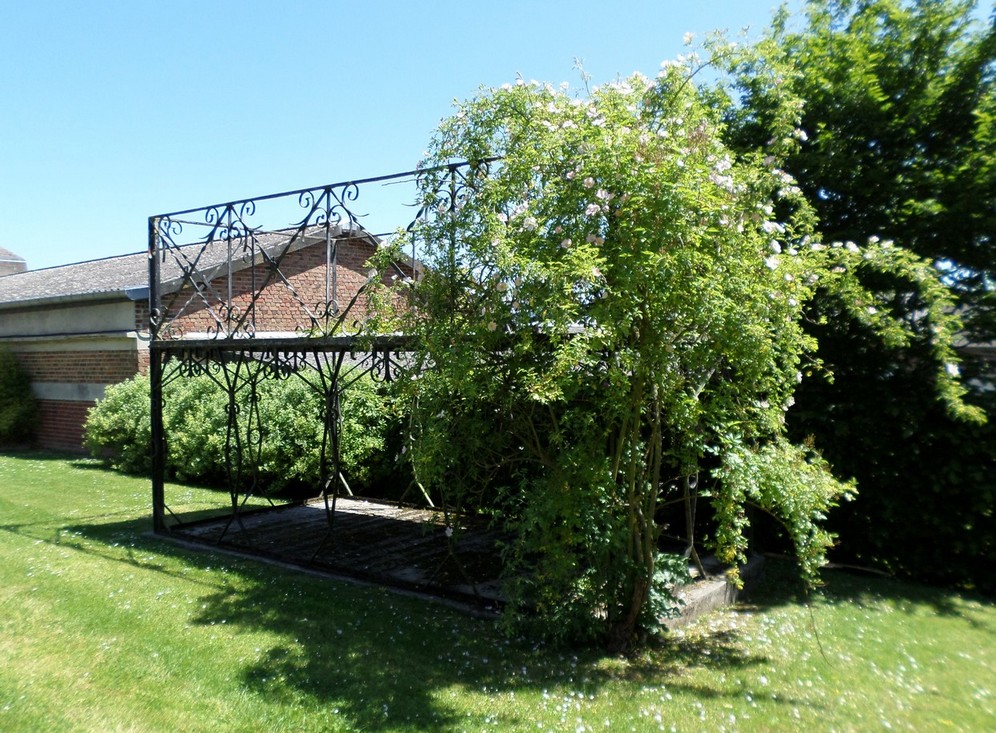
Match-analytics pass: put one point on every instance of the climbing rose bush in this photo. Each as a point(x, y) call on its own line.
point(610, 322)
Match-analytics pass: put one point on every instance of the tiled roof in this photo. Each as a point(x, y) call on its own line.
point(112, 275)
point(126, 276)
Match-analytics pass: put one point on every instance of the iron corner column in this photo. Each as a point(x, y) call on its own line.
point(158, 446)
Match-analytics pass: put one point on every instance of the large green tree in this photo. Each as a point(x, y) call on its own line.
point(898, 112)
point(898, 142)
point(611, 322)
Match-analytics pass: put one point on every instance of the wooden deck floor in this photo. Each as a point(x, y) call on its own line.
point(381, 543)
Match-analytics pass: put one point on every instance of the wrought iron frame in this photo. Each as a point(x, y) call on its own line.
point(190, 275)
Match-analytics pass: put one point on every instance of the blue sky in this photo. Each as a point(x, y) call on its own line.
point(115, 111)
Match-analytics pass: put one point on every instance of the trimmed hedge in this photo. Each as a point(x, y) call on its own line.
point(195, 418)
point(18, 406)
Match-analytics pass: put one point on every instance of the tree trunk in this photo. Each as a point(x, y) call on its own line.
point(622, 631)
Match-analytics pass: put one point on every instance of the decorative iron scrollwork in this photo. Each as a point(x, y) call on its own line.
point(329, 205)
point(229, 300)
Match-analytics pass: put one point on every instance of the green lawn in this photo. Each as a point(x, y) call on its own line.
point(104, 628)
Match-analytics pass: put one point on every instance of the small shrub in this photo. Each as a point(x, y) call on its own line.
point(119, 428)
point(18, 407)
point(284, 454)
point(195, 421)
point(368, 428)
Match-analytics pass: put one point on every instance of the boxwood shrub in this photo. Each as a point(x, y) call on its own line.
point(195, 418)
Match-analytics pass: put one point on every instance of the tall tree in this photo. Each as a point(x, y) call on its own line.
point(900, 117)
point(898, 120)
point(611, 321)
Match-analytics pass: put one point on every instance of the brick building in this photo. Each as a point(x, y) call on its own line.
point(11, 263)
point(79, 328)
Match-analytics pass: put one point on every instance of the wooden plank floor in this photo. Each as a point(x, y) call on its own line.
point(382, 543)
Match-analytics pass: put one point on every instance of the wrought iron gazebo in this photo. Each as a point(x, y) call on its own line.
point(240, 295)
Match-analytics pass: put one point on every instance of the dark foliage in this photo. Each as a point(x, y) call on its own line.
point(18, 407)
point(899, 119)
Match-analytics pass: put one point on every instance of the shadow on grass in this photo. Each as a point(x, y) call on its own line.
point(383, 659)
point(782, 585)
point(386, 661)
point(379, 658)
point(37, 454)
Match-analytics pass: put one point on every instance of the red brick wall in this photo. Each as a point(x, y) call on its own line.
point(79, 367)
point(142, 316)
point(277, 308)
point(60, 425)
point(143, 358)
point(61, 422)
